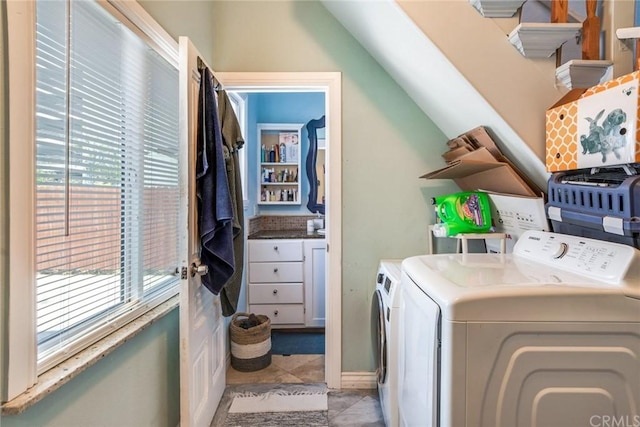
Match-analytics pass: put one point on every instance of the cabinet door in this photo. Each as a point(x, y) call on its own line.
point(314, 284)
point(275, 272)
point(276, 293)
point(275, 250)
point(281, 314)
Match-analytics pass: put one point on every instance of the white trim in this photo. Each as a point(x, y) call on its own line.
point(145, 26)
point(21, 264)
point(359, 380)
point(331, 84)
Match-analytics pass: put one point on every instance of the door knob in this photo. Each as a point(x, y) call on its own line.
point(199, 269)
point(275, 291)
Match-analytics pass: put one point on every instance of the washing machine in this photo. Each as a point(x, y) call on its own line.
point(547, 336)
point(384, 337)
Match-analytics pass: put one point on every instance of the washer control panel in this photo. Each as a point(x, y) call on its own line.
point(598, 259)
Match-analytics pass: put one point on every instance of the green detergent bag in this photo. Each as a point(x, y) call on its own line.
point(465, 212)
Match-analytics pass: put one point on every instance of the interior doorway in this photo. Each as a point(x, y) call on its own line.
point(330, 84)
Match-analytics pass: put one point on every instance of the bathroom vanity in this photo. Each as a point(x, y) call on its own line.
point(286, 277)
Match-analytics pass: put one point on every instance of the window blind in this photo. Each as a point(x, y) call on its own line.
point(107, 191)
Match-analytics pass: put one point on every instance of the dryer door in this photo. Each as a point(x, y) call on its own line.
point(379, 336)
point(419, 357)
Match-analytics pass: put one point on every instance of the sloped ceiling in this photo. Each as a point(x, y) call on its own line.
point(461, 70)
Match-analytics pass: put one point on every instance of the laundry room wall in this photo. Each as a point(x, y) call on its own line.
point(387, 141)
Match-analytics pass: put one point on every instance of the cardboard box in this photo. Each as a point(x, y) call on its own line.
point(475, 162)
point(513, 215)
point(595, 127)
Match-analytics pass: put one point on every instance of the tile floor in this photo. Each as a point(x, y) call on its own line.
point(353, 408)
point(297, 368)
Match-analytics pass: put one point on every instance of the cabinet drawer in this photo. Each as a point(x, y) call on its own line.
point(276, 293)
point(274, 272)
point(275, 250)
point(280, 314)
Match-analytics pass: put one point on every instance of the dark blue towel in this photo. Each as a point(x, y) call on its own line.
point(215, 209)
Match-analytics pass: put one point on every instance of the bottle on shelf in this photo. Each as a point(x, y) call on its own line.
point(272, 155)
point(282, 153)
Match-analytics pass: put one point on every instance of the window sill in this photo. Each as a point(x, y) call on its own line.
point(56, 377)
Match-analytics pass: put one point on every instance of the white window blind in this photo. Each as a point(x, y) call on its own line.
point(107, 192)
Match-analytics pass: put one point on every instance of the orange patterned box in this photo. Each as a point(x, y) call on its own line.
point(595, 127)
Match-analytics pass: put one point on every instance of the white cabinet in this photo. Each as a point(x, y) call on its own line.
point(276, 281)
point(286, 281)
point(314, 283)
point(279, 163)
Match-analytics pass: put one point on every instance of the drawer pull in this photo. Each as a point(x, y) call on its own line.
point(275, 313)
point(275, 270)
point(275, 291)
point(275, 248)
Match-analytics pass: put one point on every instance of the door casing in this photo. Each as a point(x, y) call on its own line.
point(331, 84)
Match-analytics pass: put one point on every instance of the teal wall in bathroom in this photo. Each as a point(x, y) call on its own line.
point(281, 107)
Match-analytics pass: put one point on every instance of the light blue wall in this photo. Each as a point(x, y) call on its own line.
point(136, 385)
point(288, 107)
point(387, 142)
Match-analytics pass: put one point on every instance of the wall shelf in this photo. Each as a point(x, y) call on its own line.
point(279, 181)
point(628, 33)
point(497, 8)
point(582, 73)
point(541, 40)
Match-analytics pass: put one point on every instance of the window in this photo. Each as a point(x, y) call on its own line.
point(106, 190)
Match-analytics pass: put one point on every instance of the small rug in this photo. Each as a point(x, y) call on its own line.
point(283, 342)
point(278, 408)
point(279, 401)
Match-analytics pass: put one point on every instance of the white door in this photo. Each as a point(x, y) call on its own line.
point(202, 332)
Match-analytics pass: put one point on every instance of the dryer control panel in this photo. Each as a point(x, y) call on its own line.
point(600, 260)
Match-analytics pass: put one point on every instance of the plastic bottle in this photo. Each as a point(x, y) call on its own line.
point(283, 156)
point(272, 155)
point(465, 212)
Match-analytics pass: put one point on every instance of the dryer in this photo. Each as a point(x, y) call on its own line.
point(546, 336)
point(384, 337)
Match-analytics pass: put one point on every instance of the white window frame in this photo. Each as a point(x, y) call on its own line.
point(21, 17)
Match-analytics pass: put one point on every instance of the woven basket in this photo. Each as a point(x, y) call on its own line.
point(250, 348)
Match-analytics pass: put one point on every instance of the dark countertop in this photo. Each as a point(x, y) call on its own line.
point(285, 234)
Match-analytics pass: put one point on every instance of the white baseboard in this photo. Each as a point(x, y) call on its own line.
point(358, 380)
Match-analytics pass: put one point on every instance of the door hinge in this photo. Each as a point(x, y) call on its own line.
point(183, 273)
point(327, 247)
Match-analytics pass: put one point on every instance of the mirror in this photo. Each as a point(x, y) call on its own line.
point(316, 165)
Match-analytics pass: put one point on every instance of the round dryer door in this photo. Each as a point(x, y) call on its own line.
point(379, 336)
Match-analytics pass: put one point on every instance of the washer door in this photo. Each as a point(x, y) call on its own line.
point(379, 336)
